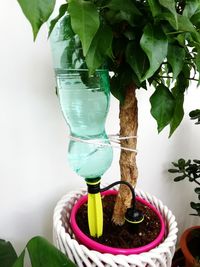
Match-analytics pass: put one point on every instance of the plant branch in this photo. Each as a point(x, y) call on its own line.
point(169, 77)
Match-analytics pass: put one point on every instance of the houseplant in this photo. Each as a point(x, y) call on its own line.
point(166, 38)
point(190, 239)
point(40, 251)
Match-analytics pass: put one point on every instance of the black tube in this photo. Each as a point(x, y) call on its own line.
point(125, 183)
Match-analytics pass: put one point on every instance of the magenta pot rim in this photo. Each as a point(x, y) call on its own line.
point(85, 240)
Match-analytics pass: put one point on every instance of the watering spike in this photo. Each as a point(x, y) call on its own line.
point(95, 210)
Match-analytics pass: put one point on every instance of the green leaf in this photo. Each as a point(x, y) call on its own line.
point(20, 261)
point(65, 30)
point(173, 170)
point(178, 93)
point(119, 83)
point(197, 61)
point(176, 58)
point(7, 254)
point(125, 5)
point(178, 114)
point(100, 48)
point(37, 12)
point(195, 206)
point(170, 5)
point(181, 164)
point(191, 7)
point(195, 19)
point(179, 178)
point(42, 253)
point(185, 25)
point(155, 7)
point(197, 161)
point(62, 12)
point(162, 106)
point(175, 164)
point(154, 43)
point(84, 20)
point(197, 190)
point(137, 59)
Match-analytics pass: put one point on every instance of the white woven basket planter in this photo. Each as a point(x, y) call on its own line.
point(65, 240)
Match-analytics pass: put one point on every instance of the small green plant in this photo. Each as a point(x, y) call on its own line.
point(190, 170)
point(41, 254)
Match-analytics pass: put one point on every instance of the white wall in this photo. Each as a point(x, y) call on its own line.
point(34, 172)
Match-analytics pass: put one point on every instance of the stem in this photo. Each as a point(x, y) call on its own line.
point(169, 77)
point(128, 168)
point(121, 182)
point(196, 181)
point(177, 32)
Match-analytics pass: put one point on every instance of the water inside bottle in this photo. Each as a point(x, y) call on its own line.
point(85, 102)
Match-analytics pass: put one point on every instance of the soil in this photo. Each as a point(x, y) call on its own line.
point(126, 236)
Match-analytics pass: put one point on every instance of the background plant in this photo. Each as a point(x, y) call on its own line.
point(189, 170)
point(144, 42)
point(41, 253)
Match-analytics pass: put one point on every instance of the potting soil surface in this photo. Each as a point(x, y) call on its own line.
point(126, 236)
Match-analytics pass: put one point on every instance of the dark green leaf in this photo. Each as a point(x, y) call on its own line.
point(178, 114)
point(101, 47)
point(188, 163)
point(37, 12)
point(42, 253)
point(20, 261)
point(7, 254)
point(65, 30)
point(194, 114)
point(181, 163)
point(137, 59)
point(179, 178)
point(173, 170)
point(195, 19)
point(185, 25)
point(197, 161)
point(155, 7)
point(197, 61)
point(162, 106)
point(191, 8)
point(62, 11)
point(195, 206)
point(125, 5)
point(197, 190)
point(175, 164)
point(170, 5)
point(84, 20)
point(119, 83)
point(154, 43)
point(176, 57)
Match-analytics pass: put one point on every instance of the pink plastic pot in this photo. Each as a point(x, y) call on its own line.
point(85, 240)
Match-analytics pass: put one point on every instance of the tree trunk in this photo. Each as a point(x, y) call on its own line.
point(128, 168)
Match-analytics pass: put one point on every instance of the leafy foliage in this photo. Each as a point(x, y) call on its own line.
point(7, 254)
point(190, 170)
point(41, 254)
point(143, 42)
point(37, 12)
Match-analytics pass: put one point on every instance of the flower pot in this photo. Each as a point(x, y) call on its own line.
point(90, 243)
point(66, 241)
point(187, 240)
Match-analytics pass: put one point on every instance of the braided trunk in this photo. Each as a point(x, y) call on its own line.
point(128, 167)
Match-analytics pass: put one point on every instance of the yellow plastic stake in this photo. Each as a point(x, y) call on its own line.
point(95, 213)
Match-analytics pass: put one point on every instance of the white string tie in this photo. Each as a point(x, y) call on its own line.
point(114, 139)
